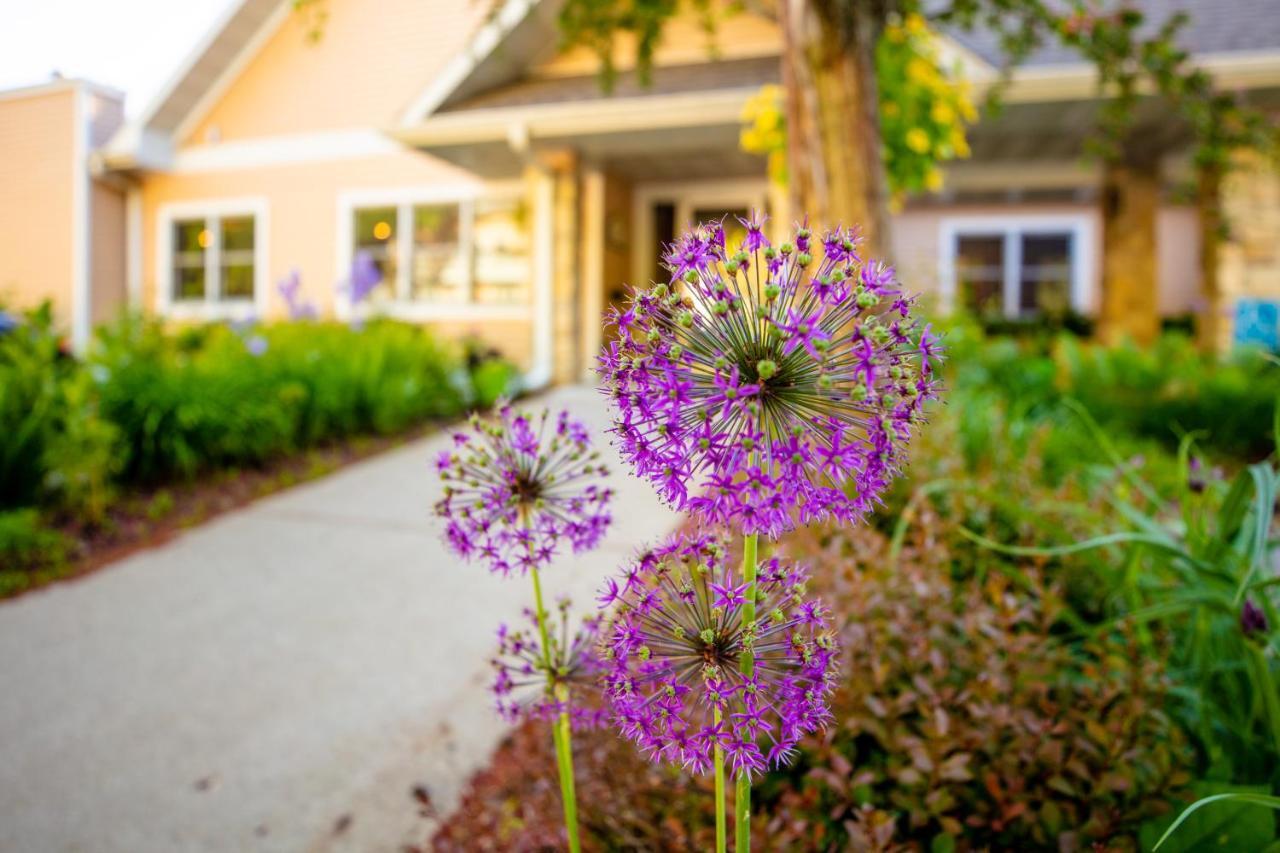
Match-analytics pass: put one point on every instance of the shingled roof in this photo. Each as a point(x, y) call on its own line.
point(1213, 27)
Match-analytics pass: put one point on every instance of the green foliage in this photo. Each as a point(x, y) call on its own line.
point(1158, 393)
point(153, 405)
point(25, 543)
point(55, 451)
point(1233, 823)
point(203, 399)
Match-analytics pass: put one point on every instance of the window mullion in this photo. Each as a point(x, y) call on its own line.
point(466, 244)
point(404, 252)
point(213, 261)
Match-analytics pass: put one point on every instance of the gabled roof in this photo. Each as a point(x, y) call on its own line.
point(148, 139)
point(520, 33)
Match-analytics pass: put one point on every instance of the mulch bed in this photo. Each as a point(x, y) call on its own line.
point(149, 517)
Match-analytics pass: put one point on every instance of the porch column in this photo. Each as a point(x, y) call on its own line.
point(593, 268)
point(1130, 201)
point(540, 195)
point(560, 168)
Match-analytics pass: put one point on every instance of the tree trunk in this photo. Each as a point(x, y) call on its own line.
point(1130, 201)
point(836, 169)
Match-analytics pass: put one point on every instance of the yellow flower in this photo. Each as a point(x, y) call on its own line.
point(942, 113)
point(914, 24)
point(933, 180)
point(919, 71)
point(917, 140)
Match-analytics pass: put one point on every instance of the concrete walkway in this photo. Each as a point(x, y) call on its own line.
point(278, 679)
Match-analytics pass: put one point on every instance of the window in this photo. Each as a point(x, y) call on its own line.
point(438, 274)
point(447, 253)
point(1015, 268)
point(211, 258)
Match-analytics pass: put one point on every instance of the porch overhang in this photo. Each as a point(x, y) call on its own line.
point(497, 142)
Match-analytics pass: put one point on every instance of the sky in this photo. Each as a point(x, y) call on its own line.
point(131, 45)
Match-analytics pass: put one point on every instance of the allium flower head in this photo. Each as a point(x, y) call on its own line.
point(523, 686)
point(769, 387)
point(674, 646)
point(517, 484)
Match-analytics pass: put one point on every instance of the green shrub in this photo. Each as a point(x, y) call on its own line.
point(27, 543)
point(215, 397)
point(1158, 393)
point(55, 450)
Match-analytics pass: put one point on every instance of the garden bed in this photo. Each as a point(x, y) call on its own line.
point(1058, 630)
point(160, 428)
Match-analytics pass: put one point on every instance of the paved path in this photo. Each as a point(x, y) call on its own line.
point(278, 679)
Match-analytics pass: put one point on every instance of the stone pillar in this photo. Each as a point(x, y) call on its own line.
point(1247, 257)
point(1130, 201)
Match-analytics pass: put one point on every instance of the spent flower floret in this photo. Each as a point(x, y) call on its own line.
point(526, 685)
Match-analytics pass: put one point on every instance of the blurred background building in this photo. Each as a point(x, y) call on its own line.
point(449, 164)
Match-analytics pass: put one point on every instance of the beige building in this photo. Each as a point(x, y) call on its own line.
point(61, 228)
point(499, 192)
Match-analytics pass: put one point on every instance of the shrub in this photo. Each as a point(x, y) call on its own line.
point(1158, 393)
point(55, 450)
point(216, 397)
point(965, 717)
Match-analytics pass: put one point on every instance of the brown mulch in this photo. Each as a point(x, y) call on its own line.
point(146, 518)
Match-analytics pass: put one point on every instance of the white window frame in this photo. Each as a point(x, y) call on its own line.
point(211, 307)
point(1012, 228)
point(404, 199)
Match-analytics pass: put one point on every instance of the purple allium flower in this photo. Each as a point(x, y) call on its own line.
point(523, 687)
point(515, 485)
point(1252, 619)
point(365, 276)
point(769, 388)
point(256, 345)
point(290, 290)
point(674, 645)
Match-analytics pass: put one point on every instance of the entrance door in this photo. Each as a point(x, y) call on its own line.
point(665, 211)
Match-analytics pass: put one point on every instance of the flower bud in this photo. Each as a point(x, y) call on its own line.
point(766, 369)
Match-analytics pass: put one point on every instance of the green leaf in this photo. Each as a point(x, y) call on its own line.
point(943, 843)
point(1222, 821)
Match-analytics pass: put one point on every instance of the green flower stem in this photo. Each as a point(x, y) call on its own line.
point(721, 840)
point(742, 797)
point(562, 730)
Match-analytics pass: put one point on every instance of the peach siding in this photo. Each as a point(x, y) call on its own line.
point(369, 63)
point(37, 134)
point(106, 254)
